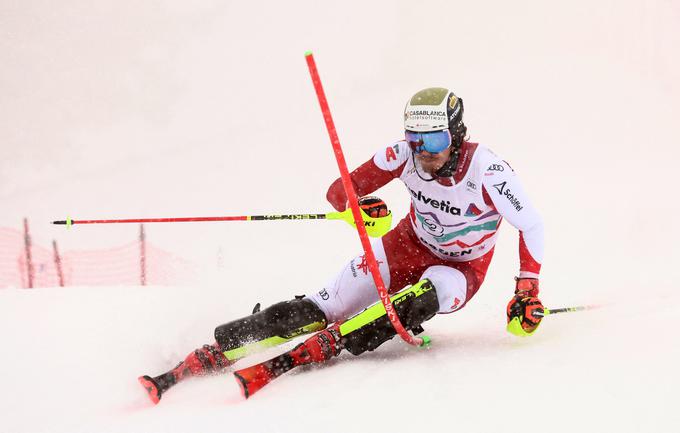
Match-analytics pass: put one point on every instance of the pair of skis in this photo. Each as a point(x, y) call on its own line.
point(250, 379)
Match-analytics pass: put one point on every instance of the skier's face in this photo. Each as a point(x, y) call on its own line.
point(432, 149)
point(431, 162)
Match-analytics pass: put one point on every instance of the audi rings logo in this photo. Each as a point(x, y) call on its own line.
point(496, 167)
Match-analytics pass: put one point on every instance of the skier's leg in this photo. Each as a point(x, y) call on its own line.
point(364, 331)
point(353, 287)
point(370, 328)
point(202, 361)
point(272, 326)
point(453, 287)
point(349, 292)
point(442, 289)
point(352, 290)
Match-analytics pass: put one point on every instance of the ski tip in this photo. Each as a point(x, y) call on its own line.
point(308, 53)
point(253, 378)
point(243, 384)
point(151, 388)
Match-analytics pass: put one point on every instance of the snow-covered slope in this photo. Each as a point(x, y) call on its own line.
point(145, 109)
point(71, 358)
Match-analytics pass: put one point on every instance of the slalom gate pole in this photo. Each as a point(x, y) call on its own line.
point(354, 205)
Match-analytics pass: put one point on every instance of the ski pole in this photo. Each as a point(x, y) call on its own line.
point(547, 312)
point(354, 207)
point(376, 227)
point(515, 326)
point(69, 222)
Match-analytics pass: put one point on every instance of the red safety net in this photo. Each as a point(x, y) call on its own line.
point(121, 265)
point(12, 258)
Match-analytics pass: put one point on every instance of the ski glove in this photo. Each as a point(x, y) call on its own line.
point(373, 206)
point(525, 305)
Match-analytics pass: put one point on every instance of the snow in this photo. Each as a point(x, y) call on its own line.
point(72, 356)
point(174, 109)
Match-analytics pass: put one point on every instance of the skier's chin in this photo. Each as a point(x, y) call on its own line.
point(430, 168)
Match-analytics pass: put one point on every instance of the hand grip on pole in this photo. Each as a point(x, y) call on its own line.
point(515, 325)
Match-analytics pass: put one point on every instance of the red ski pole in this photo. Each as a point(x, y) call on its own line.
point(70, 222)
point(354, 205)
point(376, 227)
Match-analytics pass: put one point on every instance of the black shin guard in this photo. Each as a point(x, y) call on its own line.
point(273, 325)
point(414, 306)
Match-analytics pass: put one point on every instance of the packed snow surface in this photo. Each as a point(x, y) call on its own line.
point(72, 356)
point(158, 109)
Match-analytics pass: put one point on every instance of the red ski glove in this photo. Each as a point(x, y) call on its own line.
point(525, 305)
point(373, 206)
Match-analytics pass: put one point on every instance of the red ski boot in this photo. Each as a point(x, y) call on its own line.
point(318, 348)
point(206, 360)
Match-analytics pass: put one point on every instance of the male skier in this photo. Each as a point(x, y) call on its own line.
point(432, 262)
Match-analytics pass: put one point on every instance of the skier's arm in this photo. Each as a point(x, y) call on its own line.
point(370, 176)
point(508, 196)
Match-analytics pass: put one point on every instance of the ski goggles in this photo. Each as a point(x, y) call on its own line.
point(432, 142)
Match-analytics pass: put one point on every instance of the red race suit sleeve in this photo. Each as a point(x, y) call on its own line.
point(512, 202)
point(367, 178)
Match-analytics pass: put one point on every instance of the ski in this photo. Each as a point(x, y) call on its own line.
point(156, 386)
point(318, 348)
point(255, 377)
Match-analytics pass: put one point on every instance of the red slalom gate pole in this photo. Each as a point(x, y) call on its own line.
point(354, 204)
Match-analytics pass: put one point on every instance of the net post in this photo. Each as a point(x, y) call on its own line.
point(29, 258)
point(57, 263)
point(142, 255)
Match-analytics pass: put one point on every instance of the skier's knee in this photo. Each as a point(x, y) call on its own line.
point(414, 306)
point(284, 319)
point(288, 316)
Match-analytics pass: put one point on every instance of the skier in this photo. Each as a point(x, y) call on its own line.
point(432, 262)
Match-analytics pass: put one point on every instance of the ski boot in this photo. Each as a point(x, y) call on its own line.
point(200, 362)
point(318, 348)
